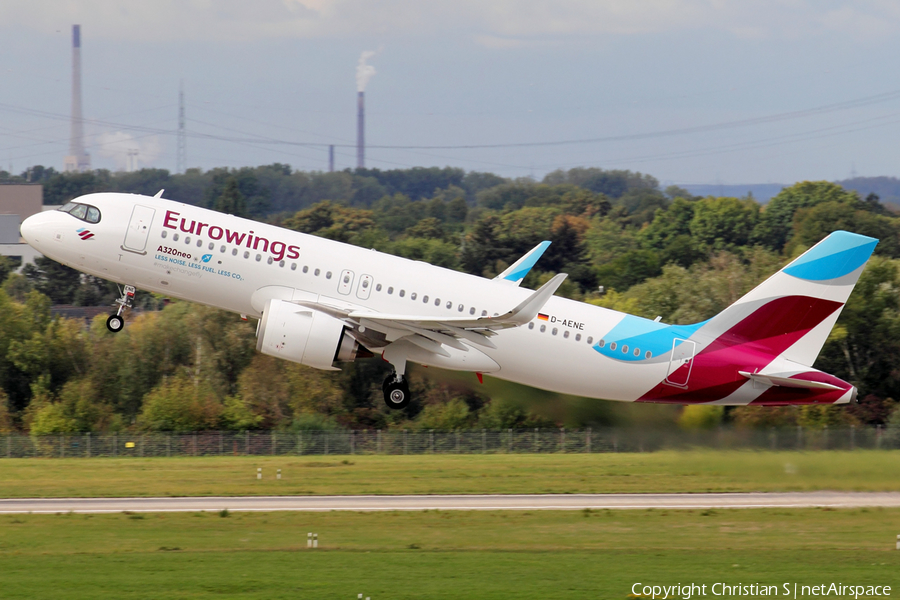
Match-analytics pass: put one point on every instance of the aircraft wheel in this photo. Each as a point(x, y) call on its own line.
point(396, 393)
point(115, 323)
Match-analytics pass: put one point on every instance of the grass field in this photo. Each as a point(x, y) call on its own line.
point(699, 471)
point(436, 554)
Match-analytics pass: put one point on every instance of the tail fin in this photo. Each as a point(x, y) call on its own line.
point(792, 313)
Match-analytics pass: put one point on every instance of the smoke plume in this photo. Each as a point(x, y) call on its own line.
point(364, 72)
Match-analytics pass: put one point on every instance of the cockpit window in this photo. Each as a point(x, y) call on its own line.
point(91, 214)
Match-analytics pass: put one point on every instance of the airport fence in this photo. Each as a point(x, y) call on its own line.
point(481, 441)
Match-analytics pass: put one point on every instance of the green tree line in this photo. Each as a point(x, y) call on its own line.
point(626, 243)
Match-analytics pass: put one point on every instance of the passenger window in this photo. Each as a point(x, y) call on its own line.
point(328, 275)
point(212, 246)
point(246, 254)
point(461, 307)
point(566, 334)
point(378, 288)
point(412, 296)
point(484, 313)
point(175, 239)
point(306, 269)
point(293, 266)
point(577, 337)
point(269, 261)
point(543, 328)
point(402, 293)
point(316, 272)
point(472, 311)
point(390, 290)
point(555, 330)
point(233, 251)
point(437, 301)
point(163, 234)
point(200, 244)
point(531, 326)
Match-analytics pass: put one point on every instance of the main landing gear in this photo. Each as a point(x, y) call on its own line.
point(396, 391)
point(116, 322)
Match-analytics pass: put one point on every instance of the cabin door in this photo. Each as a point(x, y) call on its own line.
point(138, 229)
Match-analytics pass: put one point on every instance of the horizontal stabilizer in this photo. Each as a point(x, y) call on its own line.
point(782, 381)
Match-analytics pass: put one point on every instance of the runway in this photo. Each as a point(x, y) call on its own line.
point(455, 502)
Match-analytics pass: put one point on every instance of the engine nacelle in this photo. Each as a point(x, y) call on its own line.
point(303, 335)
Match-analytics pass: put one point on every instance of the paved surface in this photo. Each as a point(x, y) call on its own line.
point(454, 502)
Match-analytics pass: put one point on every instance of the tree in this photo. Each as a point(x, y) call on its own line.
point(333, 221)
point(56, 281)
point(776, 220)
point(813, 224)
point(723, 223)
point(232, 200)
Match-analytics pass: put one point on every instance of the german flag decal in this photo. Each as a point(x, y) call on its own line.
point(543, 317)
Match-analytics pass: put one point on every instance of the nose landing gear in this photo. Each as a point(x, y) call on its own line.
point(116, 322)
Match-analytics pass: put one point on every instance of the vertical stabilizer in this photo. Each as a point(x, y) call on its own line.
point(792, 313)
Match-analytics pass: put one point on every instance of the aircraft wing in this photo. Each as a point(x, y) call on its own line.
point(447, 330)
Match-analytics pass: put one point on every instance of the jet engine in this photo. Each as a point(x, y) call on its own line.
point(304, 335)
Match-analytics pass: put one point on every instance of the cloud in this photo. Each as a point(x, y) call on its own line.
point(497, 23)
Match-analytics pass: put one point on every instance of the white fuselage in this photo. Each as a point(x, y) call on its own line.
point(239, 265)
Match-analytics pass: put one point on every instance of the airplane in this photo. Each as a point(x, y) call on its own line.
point(321, 302)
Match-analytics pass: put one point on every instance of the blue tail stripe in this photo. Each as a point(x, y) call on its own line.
point(838, 255)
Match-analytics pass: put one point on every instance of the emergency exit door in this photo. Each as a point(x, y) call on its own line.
point(681, 362)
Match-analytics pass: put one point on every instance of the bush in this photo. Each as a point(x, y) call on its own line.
point(180, 404)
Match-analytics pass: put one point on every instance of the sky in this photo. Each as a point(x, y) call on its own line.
point(690, 91)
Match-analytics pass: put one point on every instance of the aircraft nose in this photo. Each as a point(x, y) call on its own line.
point(33, 229)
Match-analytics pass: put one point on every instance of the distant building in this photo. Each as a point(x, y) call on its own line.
point(17, 203)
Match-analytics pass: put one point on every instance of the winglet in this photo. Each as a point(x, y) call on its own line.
point(516, 272)
point(529, 308)
point(159, 193)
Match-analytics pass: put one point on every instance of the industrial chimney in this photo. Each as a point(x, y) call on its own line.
point(364, 73)
point(361, 130)
point(78, 160)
